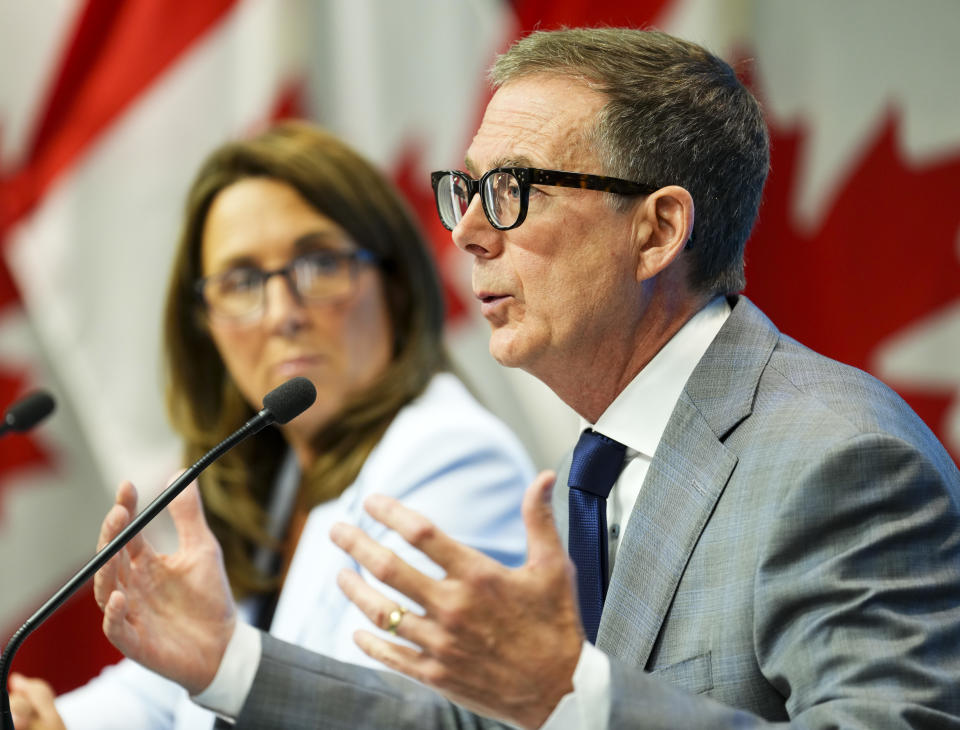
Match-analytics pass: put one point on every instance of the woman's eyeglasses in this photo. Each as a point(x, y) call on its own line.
point(239, 293)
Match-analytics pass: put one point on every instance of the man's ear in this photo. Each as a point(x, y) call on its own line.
point(663, 224)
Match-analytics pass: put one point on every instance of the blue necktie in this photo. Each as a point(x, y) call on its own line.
point(597, 461)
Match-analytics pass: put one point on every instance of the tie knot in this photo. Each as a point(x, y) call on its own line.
point(597, 461)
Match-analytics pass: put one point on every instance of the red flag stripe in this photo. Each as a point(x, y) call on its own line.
point(118, 49)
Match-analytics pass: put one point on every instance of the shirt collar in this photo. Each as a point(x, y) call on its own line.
point(638, 416)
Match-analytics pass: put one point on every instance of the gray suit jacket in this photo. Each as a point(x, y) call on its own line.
point(793, 559)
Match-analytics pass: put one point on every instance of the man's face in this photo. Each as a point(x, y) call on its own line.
point(560, 290)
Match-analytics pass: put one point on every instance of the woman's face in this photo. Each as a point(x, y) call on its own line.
point(340, 344)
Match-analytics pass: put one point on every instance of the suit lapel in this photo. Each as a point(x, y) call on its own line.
point(687, 475)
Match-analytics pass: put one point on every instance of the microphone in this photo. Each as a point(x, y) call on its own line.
point(280, 405)
point(27, 412)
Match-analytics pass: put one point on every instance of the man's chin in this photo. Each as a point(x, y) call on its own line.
point(506, 362)
point(507, 350)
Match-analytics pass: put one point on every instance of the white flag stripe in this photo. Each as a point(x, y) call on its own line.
point(32, 36)
point(388, 74)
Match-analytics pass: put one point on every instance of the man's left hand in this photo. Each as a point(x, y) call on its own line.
point(500, 642)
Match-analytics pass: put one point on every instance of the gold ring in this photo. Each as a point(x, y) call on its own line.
point(394, 619)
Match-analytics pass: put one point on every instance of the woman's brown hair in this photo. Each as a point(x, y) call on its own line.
point(202, 400)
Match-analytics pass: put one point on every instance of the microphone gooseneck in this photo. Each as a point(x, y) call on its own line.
point(280, 405)
point(27, 412)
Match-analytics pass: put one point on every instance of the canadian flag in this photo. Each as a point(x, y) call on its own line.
point(107, 107)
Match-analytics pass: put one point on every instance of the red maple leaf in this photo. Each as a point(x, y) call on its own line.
point(881, 258)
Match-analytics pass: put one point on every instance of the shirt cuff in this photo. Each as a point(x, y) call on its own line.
point(230, 686)
point(588, 706)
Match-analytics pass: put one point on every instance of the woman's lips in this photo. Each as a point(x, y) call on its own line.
point(297, 365)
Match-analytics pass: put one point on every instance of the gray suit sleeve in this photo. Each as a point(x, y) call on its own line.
point(856, 615)
point(296, 689)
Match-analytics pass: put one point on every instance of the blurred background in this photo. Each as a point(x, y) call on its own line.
point(108, 106)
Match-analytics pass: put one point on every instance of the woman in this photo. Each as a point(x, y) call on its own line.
point(297, 258)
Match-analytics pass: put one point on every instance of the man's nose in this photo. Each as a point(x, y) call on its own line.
point(474, 233)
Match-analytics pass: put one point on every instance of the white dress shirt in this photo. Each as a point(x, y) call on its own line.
point(637, 419)
point(444, 456)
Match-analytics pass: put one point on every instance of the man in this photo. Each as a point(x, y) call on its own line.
point(781, 545)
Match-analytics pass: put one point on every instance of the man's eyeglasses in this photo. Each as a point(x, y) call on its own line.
point(239, 293)
point(504, 192)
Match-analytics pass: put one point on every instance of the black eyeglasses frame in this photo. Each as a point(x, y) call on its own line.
point(528, 176)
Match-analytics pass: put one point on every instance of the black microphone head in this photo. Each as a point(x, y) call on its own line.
point(29, 411)
point(289, 400)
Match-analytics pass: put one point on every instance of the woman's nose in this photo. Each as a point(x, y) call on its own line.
point(282, 304)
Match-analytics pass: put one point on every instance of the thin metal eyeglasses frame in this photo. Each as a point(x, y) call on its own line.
point(528, 176)
point(355, 257)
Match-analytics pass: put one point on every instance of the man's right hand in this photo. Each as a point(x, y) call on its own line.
point(174, 614)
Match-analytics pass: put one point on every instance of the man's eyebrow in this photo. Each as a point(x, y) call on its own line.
point(520, 161)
